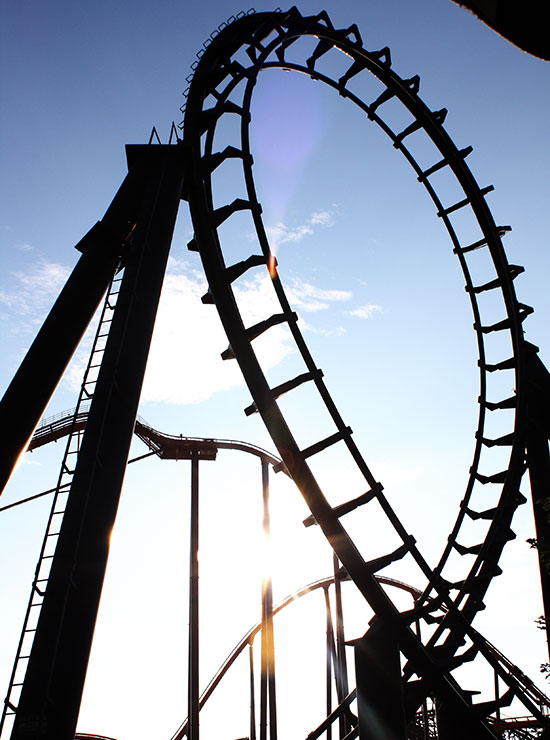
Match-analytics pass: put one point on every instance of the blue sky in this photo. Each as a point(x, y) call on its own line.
point(371, 274)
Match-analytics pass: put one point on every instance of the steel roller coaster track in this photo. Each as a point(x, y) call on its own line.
point(179, 447)
point(222, 86)
point(143, 213)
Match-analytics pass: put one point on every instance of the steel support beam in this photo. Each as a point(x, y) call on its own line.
point(52, 690)
point(341, 666)
point(380, 703)
point(193, 663)
point(329, 657)
point(41, 370)
point(268, 705)
point(252, 691)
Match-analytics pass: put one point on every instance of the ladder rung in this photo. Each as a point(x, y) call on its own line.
point(345, 508)
point(509, 364)
point(474, 550)
point(501, 230)
point(523, 312)
point(382, 98)
point(327, 442)
point(438, 117)
point(514, 270)
point(462, 203)
point(210, 162)
point(505, 440)
point(506, 403)
point(239, 204)
point(443, 163)
point(211, 115)
point(487, 514)
point(255, 331)
point(495, 478)
point(288, 386)
point(318, 447)
point(322, 47)
point(373, 566)
point(235, 271)
point(356, 66)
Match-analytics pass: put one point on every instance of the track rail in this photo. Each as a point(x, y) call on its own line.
point(222, 85)
point(168, 446)
point(165, 446)
point(540, 699)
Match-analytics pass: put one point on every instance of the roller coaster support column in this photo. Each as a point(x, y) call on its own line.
point(341, 667)
point(267, 679)
point(379, 689)
point(32, 386)
point(538, 461)
point(252, 691)
point(330, 658)
point(52, 690)
point(193, 668)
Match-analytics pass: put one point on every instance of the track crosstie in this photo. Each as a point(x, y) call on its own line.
point(222, 85)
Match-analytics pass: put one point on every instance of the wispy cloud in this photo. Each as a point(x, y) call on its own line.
point(280, 233)
point(365, 311)
point(323, 218)
point(31, 294)
point(185, 364)
point(307, 297)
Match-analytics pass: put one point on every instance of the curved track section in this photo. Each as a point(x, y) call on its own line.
point(538, 698)
point(221, 87)
point(167, 446)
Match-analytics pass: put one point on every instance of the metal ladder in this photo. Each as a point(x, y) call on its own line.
point(53, 527)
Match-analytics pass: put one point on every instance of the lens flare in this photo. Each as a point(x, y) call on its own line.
point(272, 266)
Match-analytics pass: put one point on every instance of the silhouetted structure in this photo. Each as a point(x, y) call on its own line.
point(135, 236)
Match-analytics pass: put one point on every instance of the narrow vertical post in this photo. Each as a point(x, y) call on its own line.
point(252, 692)
point(341, 668)
point(268, 663)
point(193, 679)
point(425, 718)
point(330, 642)
point(497, 696)
point(263, 669)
